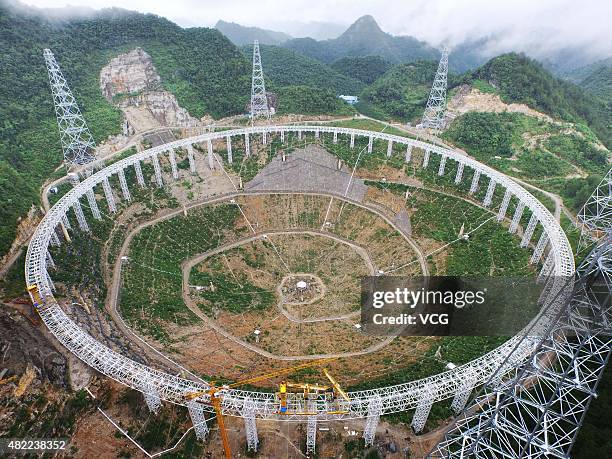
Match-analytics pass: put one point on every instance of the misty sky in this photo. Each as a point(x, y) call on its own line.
point(525, 25)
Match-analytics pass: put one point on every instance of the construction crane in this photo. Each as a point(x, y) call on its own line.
point(216, 396)
point(37, 300)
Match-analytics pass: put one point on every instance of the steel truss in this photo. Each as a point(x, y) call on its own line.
point(259, 98)
point(538, 412)
point(77, 142)
point(433, 117)
point(595, 217)
point(167, 387)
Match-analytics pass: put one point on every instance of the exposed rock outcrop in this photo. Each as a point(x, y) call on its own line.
point(130, 81)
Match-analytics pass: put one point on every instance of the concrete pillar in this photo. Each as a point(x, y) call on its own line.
point(408, 153)
point(158, 174)
point(474, 185)
point(389, 148)
point(172, 158)
point(228, 141)
point(370, 141)
point(352, 140)
point(489, 196)
point(211, 159)
point(124, 186)
point(504, 205)
point(316, 133)
point(533, 221)
point(426, 159)
point(459, 174)
point(247, 145)
point(191, 158)
point(108, 194)
point(299, 135)
point(139, 176)
point(93, 205)
point(516, 219)
point(442, 165)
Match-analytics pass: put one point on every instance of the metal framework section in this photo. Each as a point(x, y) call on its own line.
point(426, 158)
point(158, 173)
point(475, 179)
point(108, 194)
point(139, 176)
point(421, 413)
point(191, 158)
point(77, 142)
point(538, 413)
point(595, 217)
point(311, 434)
point(125, 190)
point(488, 199)
point(172, 158)
point(442, 165)
point(459, 174)
point(501, 214)
point(172, 388)
point(433, 117)
point(228, 141)
point(93, 205)
point(196, 412)
point(259, 99)
point(375, 409)
point(248, 413)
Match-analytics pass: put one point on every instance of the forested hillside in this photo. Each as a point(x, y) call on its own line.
point(205, 71)
point(366, 69)
point(241, 35)
point(521, 79)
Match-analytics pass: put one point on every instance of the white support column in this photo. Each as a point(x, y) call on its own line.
point(247, 145)
point(408, 153)
point(282, 133)
point(196, 412)
point(158, 174)
point(228, 141)
point(539, 249)
point(504, 205)
point(335, 136)
point(533, 221)
point(139, 176)
point(474, 185)
point(352, 140)
point(108, 193)
point(49, 280)
point(421, 413)
point(459, 174)
point(50, 261)
point(264, 138)
point(78, 210)
point(463, 393)
point(426, 159)
point(299, 135)
point(488, 199)
point(172, 158)
point(93, 205)
point(370, 141)
point(316, 133)
point(546, 268)
point(518, 213)
point(311, 434)
point(374, 412)
point(66, 222)
point(248, 414)
point(124, 186)
point(191, 158)
point(54, 239)
point(150, 395)
point(389, 148)
point(442, 165)
point(211, 159)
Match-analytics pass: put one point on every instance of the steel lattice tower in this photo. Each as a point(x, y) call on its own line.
point(433, 117)
point(259, 100)
point(77, 142)
point(595, 217)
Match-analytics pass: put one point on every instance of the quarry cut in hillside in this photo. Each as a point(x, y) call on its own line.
point(131, 82)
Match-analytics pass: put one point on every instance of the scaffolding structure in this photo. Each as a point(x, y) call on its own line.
point(259, 98)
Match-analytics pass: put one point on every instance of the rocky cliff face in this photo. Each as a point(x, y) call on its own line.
point(130, 81)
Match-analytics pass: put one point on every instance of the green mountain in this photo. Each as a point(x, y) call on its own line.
point(205, 71)
point(523, 80)
point(401, 93)
point(242, 35)
point(364, 38)
point(283, 67)
point(599, 83)
point(366, 69)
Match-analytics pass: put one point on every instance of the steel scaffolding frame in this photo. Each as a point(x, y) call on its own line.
point(433, 117)
point(259, 99)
